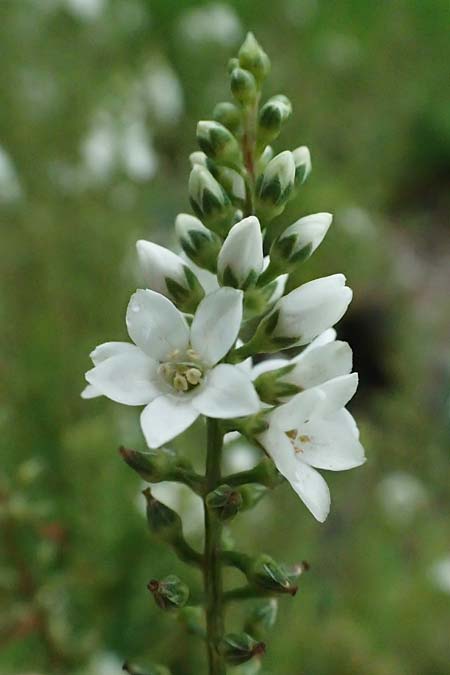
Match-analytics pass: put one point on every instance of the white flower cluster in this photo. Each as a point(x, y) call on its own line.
point(229, 298)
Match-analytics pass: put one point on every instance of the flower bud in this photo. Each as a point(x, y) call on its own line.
point(241, 647)
point(299, 241)
point(243, 86)
point(198, 157)
point(252, 57)
point(251, 495)
point(231, 181)
point(275, 184)
point(272, 388)
point(304, 313)
point(264, 159)
point(209, 200)
point(200, 244)
point(240, 259)
point(265, 573)
point(229, 115)
point(232, 64)
point(162, 521)
point(169, 593)
point(166, 273)
point(302, 160)
point(271, 118)
point(153, 467)
point(225, 502)
point(218, 143)
point(262, 618)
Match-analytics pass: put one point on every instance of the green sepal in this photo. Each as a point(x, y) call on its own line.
point(241, 647)
point(283, 253)
point(169, 593)
point(267, 574)
point(202, 249)
point(162, 465)
point(272, 389)
point(257, 299)
point(251, 495)
point(186, 299)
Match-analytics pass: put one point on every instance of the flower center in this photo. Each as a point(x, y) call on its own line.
point(298, 440)
point(182, 370)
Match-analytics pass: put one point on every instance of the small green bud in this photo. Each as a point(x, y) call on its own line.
point(231, 181)
point(241, 647)
point(209, 200)
point(169, 593)
point(153, 467)
point(225, 502)
point(302, 160)
point(243, 86)
point(272, 388)
point(232, 64)
point(258, 300)
point(218, 143)
point(252, 57)
point(275, 184)
point(262, 618)
point(200, 244)
point(252, 425)
point(265, 573)
point(162, 521)
point(229, 115)
point(271, 118)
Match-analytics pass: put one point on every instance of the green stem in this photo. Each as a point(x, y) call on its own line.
point(248, 152)
point(212, 556)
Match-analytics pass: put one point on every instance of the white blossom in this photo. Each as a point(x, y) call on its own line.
point(172, 368)
point(241, 256)
point(315, 431)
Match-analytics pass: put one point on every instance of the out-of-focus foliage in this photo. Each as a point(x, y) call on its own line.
point(99, 104)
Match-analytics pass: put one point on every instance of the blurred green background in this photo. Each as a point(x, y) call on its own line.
point(99, 102)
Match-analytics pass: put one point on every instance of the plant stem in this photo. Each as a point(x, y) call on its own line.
point(212, 556)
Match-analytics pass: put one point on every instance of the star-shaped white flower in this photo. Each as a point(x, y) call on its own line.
point(172, 367)
point(315, 431)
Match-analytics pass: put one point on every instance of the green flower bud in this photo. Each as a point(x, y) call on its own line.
point(272, 388)
point(265, 573)
point(153, 467)
point(169, 593)
point(209, 200)
point(241, 647)
point(225, 502)
point(252, 57)
point(232, 64)
point(275, 184)
point(162, 521)
point(198, 157)
point(262, 618)
point(229, 115)
point(231, 181)
point(200, 244)
point(218, 143)
point(271, 118)
point(302, 160)
point(243, 86)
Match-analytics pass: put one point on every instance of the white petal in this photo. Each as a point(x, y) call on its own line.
point(155, 324)
point(165, 418)
point(216, 324)
point(312, 490)
point(308, 483)
point(242, 251)
point(228, 392)
point(158, 264)
point(338, 393)
point(129, 378)
point(310, 309)
point(330, 443)
point(108, 349)
point(90, 392)
point(322, 339)
point(298, 409)
point(320, 364)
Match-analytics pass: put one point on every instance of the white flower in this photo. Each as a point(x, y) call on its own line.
point(241, 257)
point(314, 431)
point(171, 368)
point(280, 171)
point(322, 360)
point(311, 308)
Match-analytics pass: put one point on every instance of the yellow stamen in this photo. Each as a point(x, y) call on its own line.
point(193, 375)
